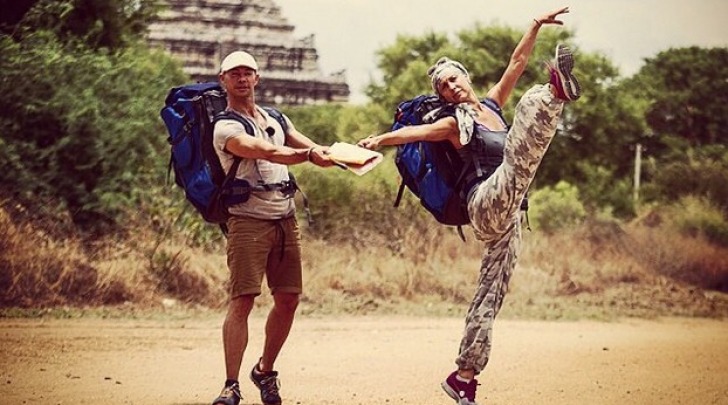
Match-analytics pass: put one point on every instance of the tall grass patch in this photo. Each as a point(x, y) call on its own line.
point(39, 270)
point(684, 241)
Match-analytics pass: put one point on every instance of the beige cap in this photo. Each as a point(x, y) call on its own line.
point(238, 58)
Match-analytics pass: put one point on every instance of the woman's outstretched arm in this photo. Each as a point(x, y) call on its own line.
point(519, 59)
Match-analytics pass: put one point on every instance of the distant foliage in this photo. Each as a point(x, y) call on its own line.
point(82, 126)
point(684, 102)
point(699, 217)
point(98, 24)
point(700, 172)
point(601, 191)
point(555, 208)
point(688, 95)
point(327, 124)
point(317, 122)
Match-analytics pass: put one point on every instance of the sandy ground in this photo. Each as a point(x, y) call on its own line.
point(366, 361)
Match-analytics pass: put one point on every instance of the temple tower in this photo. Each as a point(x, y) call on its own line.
point(201, 32)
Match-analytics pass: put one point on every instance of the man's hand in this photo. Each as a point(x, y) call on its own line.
point(319, 155)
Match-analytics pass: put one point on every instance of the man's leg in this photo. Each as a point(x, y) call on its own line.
point(286, 283)
point(280, 320)
point(277, 328)
point(235, 333)
point(234, 340)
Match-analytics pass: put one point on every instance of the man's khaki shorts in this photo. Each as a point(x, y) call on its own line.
point(256, 247)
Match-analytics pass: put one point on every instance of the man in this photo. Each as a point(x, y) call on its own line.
point(263, 235)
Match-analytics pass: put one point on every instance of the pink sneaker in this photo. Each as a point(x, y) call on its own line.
point(460, 391)
point(567, 87)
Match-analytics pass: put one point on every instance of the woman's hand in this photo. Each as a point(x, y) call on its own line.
point(550, 18)
point(371, 142)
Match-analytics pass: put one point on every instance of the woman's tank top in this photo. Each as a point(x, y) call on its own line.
point(483, 154)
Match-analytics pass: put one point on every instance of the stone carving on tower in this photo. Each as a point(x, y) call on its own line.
point(201, 32)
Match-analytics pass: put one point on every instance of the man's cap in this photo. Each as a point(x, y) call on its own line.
point(236, 59)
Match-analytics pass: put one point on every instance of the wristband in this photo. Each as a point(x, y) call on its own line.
point(308, 153)
point(538, 23)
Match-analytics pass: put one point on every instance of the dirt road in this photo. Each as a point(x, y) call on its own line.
point(366, 361)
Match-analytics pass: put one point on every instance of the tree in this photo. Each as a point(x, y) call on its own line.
point(110, 24)
point(80, 126)
point(683, 96)
point(687, 93)
point(404, 67)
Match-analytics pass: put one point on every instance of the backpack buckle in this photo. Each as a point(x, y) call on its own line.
point(288, 188)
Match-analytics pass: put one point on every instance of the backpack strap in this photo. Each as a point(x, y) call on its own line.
point(229, 115)
point(278, 116)
point(288, 187)
point(493, 106)
point(461, 233)
point(399, 194)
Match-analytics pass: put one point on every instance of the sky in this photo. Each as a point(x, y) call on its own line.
point(349, 32)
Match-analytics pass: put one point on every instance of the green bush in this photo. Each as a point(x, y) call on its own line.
point(82, 125)
point(604, 191)
point(696, 216)
point(339, 198)
point(698, 172)
point(555, 208)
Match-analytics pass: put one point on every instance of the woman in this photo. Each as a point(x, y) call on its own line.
point(507, 161)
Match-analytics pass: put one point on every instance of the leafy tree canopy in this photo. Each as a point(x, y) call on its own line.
point(80, 124)
point(97, 23)
point(686, 91)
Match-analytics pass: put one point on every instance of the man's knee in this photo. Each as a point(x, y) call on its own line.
point(286, 302)
point(241, 306)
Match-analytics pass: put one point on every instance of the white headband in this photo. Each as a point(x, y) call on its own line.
point(444, 68)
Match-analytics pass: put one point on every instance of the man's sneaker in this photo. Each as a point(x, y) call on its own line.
point(230, 395)
point(463, 393)
point(268, 385)
point(565, 83)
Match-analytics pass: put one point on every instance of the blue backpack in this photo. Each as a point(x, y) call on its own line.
point(433, 171)
point(430, 170)
point(190, 113)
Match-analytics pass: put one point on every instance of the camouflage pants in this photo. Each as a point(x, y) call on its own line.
point(494, 210)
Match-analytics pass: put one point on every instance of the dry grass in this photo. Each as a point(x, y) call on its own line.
point(606, 270)
point(374, 278)
point(39, 270)
point(689, 259)
point(600, 270)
